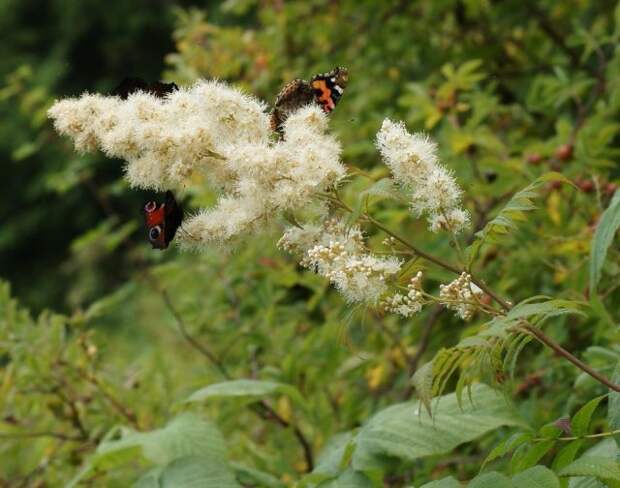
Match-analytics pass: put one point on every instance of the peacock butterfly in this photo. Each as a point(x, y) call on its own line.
point(162, 220)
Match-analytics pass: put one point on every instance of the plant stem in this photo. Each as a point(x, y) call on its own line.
point(574, 438)
point(506, 306)
point(262, 409)
point(547, 341)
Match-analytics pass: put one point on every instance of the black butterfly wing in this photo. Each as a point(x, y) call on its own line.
point(173, 217)
point(160, 89)
point(128, 86)
point(132, 85)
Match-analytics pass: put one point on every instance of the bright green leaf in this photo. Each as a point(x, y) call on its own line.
point(603, 237)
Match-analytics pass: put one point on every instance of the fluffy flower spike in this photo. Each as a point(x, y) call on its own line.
point(212, 129)
point(413, 160)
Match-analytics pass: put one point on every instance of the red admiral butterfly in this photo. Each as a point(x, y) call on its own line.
point(324, 89)
point(162, 220)
point(132, 85)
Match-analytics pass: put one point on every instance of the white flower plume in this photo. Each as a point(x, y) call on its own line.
point(413, 160)
point(215, 130)
point(339, 253)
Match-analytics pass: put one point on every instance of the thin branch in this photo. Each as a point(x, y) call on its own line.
point(262, 409)
point(547, 341)
point(118, 406)
point(186, 335)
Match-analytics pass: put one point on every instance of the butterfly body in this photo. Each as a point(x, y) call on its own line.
point(324, 89)
point(162, 220)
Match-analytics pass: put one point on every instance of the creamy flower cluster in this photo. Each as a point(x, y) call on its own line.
point(212, 129)
point(461, 295)
point(340, 254)
point(409, 304)
point(413, 160)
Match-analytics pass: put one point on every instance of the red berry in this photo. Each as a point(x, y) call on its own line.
point(610, 188)
point(534, 159)
point(564, 152)
point(586, 186)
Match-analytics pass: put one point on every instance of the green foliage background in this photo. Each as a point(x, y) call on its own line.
point(103, 339)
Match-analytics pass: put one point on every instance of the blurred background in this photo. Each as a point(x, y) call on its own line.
point(509, 89)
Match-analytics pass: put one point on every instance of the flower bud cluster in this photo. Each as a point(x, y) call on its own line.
point(409, 304)
point(461, 295)
point(339, 253)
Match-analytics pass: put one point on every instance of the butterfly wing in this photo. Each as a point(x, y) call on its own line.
point(329, 87)
point(132, 85)
point(128, 86)
point(155, 221)
point(293, 96)
point(173, 217)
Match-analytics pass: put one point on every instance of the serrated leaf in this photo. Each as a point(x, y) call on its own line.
point(536, 477)
point(246, 388)
point(402, 431)
point(602, 239)
point(581, 420)
point(599, 467)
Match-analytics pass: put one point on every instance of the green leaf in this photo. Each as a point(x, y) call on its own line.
point(603, 237)
point(613, 406)
point(513, 211)
point(604, 449)
point(536, 477)
point(504, 447)
point(490, 480)
point(597, 466)
point(255, 477)
point(581, 420)
point(422, 381)
point(252, 389)
point(567, 454)
point(336, 454)
point(403, 432)
point(528, 455)
point(186, 435)
point(449, 482)
point(348, 479)
point(197, 472)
